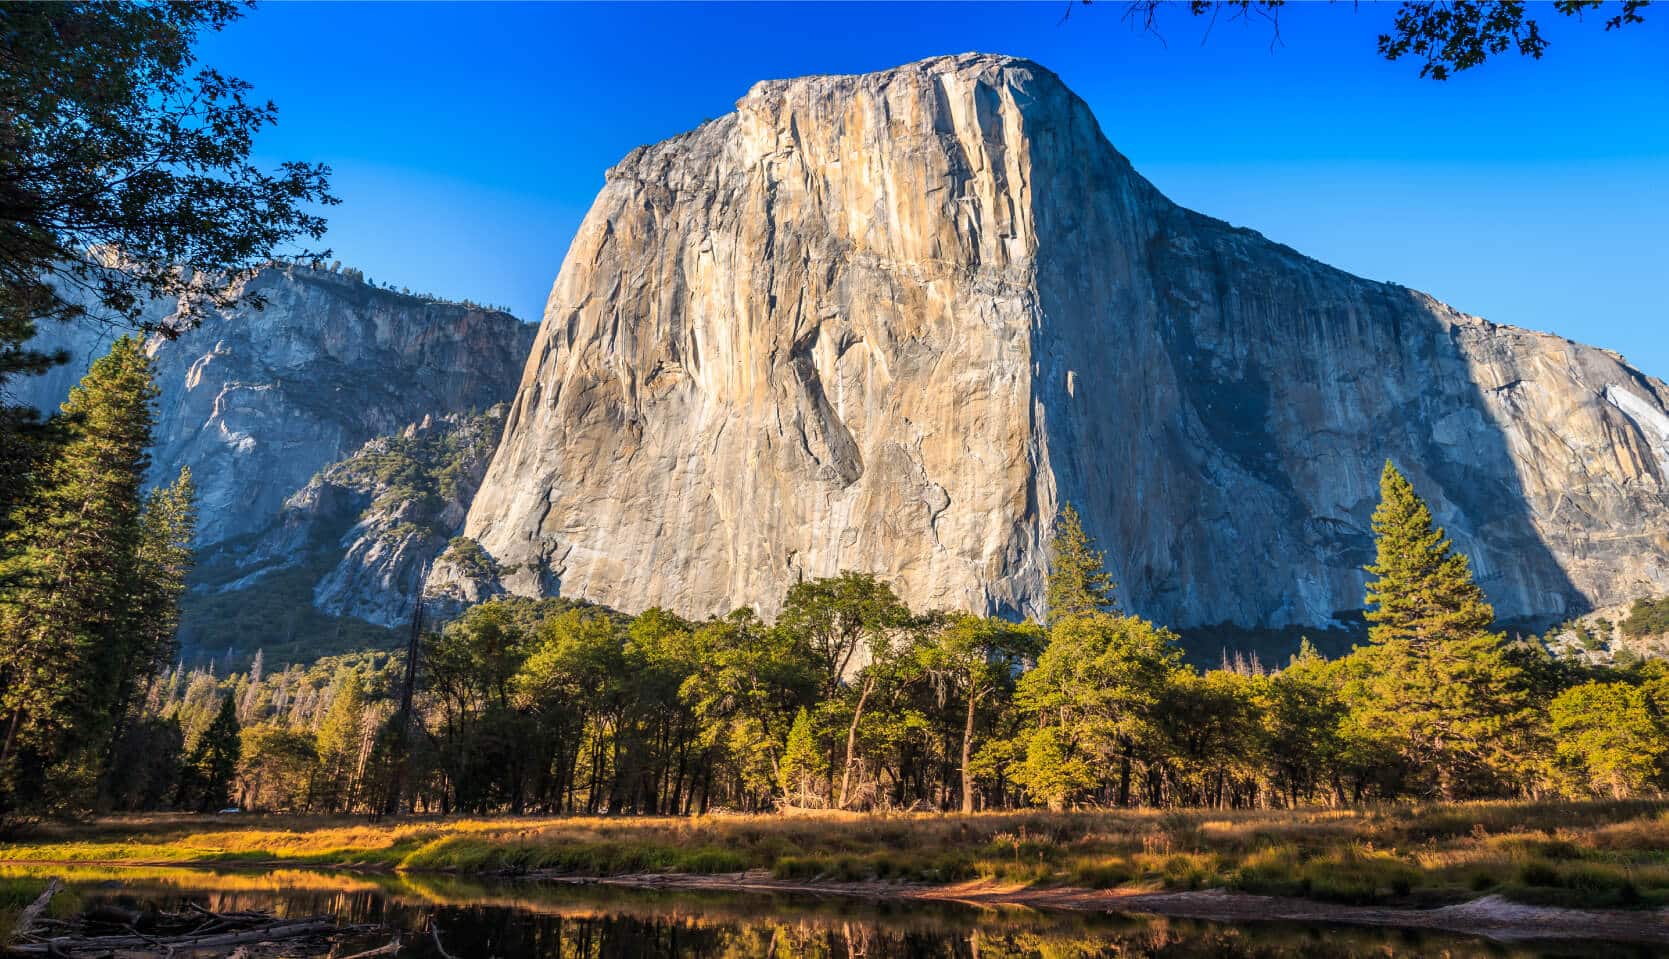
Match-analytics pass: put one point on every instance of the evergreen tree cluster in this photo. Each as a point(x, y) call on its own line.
point(91, 574)
point(127, 178)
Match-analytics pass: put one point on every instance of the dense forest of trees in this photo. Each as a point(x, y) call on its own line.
point(851, 700)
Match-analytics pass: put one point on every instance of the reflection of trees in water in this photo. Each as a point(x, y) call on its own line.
point(527, 920)
point(512, 935)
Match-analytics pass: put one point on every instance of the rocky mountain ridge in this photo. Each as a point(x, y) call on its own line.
point(342, 417)
point(1615, 635)
point(374, 521)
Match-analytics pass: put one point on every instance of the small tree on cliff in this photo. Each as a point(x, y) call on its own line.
point(1436, 679)
point(1079, 583)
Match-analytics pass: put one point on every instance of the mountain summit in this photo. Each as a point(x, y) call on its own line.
point(893, 322)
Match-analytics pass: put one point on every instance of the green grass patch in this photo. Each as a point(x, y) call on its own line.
point(1599, 854)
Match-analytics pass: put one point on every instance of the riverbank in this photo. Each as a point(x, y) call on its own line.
point(751, 915)
point(727, 897)
point(1597, 855)
point(1493, 916)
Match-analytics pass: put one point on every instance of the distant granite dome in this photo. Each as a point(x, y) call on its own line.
point(892, 322)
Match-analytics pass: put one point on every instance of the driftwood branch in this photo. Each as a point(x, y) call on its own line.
point(108, 930)
point(434, 932)
point(387, 950)
point(101, 944)
point(32, 912)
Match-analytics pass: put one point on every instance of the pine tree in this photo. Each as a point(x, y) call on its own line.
point(339, 742)
point(69, 565)
point(1424, 591)
point(213, 764)
point(156, 582)
point(803, 762)
point(163, 562)
point(1436, 679)
point(1079, 583)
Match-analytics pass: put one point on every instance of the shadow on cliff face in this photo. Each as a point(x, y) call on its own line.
point(1219, 408)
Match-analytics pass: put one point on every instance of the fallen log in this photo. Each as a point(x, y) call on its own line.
point(61, 945)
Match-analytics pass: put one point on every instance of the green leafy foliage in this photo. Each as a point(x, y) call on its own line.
point(127, 176)
point(1647, 617)
point(1613, 737)
point(852, 701)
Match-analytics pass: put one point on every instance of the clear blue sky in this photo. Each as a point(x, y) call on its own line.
point(469, 139)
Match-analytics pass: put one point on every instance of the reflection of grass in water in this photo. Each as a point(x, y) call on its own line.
point(558, 918)
point(1578, 854)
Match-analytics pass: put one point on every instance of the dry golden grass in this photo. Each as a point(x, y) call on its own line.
point(1595, 854)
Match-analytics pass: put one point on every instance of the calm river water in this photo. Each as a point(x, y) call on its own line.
point(525, 920)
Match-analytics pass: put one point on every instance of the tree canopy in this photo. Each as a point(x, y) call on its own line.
point(125, 176)
point(1444, 36)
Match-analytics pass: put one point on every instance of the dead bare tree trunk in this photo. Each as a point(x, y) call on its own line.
point(852, 742)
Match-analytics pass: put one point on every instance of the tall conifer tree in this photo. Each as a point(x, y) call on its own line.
point(150, 614)
point(1424, 591)
point(1079, 583)
point(1437, 680)
point(213, 763)
point(69, 571)
point(803, 763)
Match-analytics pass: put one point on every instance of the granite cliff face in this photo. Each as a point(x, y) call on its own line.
point(342, 417)
point(892, 322)
point(257, 401)
point(368, 527)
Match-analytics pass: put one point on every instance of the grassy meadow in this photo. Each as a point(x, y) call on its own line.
point(1591, 854)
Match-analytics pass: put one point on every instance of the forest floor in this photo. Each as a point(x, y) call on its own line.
point(1468, 862)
